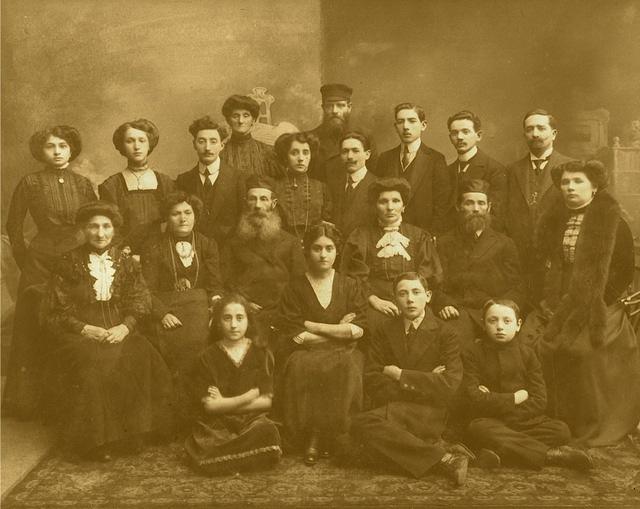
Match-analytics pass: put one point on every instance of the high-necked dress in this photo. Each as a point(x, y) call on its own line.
point(51, 197)
point(139, 196)
point(589, 349)
point(103, 393)
point(229, 443)
point(302, 202)
point(250, 156)
point(320, 386)
point(182, 274)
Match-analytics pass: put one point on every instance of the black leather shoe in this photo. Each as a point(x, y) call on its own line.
point(487, 459)
point(455, 467)
point(312, 452)
point(569, 457)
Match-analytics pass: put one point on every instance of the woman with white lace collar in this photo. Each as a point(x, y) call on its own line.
point(181, 268)
point(375, 254)
point(112, 386)
point(138, 190)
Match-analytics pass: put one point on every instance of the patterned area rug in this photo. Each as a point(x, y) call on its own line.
point(159, 478)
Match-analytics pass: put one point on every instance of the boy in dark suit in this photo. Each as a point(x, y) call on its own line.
point(424, 168)
point(214, 181)
point(507, 397)
point(412, 371)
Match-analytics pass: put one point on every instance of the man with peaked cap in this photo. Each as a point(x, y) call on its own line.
point(260, 257)
point(478, 263)
point(336, 114)
point(242, 151)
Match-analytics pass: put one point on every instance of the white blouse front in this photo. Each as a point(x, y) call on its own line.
point(185, 252)
point(102, 269)
point(140, 180)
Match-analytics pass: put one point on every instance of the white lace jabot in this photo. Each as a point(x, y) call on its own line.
point(393, 243)
point(101, 268)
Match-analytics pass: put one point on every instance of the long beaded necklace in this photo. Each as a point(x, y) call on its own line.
point(291, 202)
point(177, 284)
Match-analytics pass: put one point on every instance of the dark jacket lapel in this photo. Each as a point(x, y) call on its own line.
point(424, 337)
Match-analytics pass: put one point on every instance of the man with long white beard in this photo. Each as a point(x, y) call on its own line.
point(260, 257)
point(478, 263)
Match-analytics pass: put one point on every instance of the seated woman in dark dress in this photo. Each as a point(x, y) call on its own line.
point(233, 386)
point(111, 385)
point(376, 254)
point(51, 196)
point(589, 350)
point(181, 268)
point(322, 317)
point(138, 190)
point(302, 201)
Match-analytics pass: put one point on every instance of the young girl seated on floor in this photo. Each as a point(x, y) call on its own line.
point(506, 392)
point(233, 381)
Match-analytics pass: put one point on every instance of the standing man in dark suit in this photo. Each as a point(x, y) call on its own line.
point(336, 115)
point(218, 185)
point(349, 189)
point(424, 168)
point(472, 163)
point(530, 192)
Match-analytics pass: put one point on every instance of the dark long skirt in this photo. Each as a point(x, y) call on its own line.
point(231, 443)
point(322, 389)
point(596, 391)
point(108, 393)
point(180, 347)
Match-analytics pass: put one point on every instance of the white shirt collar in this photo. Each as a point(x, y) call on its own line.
point(547, 153)
point(468, 154)
point(413, 146)
point(213, 168)
point(416, 321)
point(358, 175)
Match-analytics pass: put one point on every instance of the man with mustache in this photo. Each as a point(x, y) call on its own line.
point(336, 116)
point(260, 257)
point(478, 263)
point(465, 131)
point(219, 185)
point(423, 167)
point(530, 191)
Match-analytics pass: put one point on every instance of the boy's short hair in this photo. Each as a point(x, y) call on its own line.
point(410, 276)
point(501, 302)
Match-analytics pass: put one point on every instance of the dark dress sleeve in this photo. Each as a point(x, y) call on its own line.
point(86, 190)
point(327, 204)
point(265, 371)
point(291, 317)
point(357, 302)
point(135, 300)
point(354, 259)
point(211, 262)
point(152, 267)
point(203, 375)
point(15, 222)
point(428, 263)
point(58, 312)
point(297, 262)
point(622, 267)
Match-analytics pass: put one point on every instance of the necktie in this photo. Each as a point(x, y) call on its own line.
point(207, 181)
point(406, 158)
point(411, 335)
point(537, 163)
point(462, 166)
point(348, 191)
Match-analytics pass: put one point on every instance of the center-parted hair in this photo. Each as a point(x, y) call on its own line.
point(142, 124)
point(508, 303)
point(176, 197)
point(389, 184)
point(356, 135)
point(410, 276)
point(594, 170)
point(206, 122)
point(64, 132)
point(321, 230)
point(283, 144)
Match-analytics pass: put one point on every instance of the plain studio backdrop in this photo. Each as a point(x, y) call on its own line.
point(95, 64)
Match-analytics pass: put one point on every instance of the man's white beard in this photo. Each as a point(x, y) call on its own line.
point(259, 226)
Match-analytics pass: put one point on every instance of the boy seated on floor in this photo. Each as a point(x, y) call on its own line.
point(412, 370)
point(506, 396)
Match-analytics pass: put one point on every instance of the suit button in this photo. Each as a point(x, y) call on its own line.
point(406, 386)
